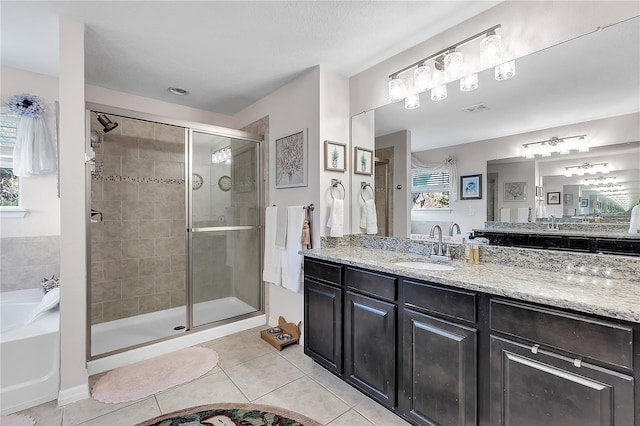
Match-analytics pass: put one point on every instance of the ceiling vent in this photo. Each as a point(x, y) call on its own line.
point(476, 108)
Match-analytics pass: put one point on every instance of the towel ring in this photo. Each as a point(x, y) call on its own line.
point(334, 184)
point(363, 188)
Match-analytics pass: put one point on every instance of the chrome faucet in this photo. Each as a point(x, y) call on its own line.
point(433, 249)
point(552, 225)
point(453, 225)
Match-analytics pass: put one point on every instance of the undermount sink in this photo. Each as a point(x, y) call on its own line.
point(428, 266)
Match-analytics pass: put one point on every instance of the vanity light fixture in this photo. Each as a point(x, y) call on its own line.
point(222, 155)
point(450, 61)
point(600, 180)
point(587, 168)
point(563, 145)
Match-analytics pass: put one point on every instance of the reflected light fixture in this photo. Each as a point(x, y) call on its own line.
point(491, 50)
point(587, 168)
point(412, 101)
point(453, 65)
point(223, 155)
point(439, 93)
point(469, 82)
point(600, 180)
point(563, 145)
point(450, 61)
point(422, 78)
point(397, 91)
point(505, 71)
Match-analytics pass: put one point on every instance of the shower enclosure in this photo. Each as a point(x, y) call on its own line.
point(175, 232)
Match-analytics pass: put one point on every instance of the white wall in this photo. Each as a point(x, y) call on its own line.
point(472, 158)
point(38, 194)
point(521, 171)
point(527, 27)
point(401, 143)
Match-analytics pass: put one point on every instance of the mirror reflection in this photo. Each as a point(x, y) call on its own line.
point(564, 90)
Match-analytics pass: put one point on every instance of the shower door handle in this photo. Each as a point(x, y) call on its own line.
point(222, 228)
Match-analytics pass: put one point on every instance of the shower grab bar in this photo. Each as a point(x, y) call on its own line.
point(223, 228)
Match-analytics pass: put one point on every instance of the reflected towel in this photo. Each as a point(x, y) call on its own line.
point(336, 218)
point(292, 260)
point(634, 224)
point(505, 214)
point(370, 222)
point(523, 214)
point(281, 228)
point(272, 270)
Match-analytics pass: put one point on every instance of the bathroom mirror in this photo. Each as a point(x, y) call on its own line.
point(562, 85)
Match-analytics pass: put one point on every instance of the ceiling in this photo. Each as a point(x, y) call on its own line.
point(227, 54)
point(592, 77)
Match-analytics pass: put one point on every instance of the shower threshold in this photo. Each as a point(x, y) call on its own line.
point(126, 332)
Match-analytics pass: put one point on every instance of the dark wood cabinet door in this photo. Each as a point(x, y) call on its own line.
point(531, 387)
point(370, 346)
point(439, 371)
point(323, 324)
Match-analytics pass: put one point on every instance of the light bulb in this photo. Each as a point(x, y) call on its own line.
point(439, 93)
point(412, 101)
point(422, 78)
point(469, 82)
point(505, 71)
point(453, 65)
point(396, 90)
point(491, 50)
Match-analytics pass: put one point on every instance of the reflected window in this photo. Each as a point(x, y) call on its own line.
point(9, 184)
point(430, 190)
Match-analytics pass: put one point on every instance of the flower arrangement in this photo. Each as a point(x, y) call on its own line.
point(49, 284)
point(26, 105)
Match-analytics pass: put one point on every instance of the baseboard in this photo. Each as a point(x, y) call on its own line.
point(74, 394)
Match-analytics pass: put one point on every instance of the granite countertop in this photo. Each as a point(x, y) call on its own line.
point(568, 232)
point(613, 298)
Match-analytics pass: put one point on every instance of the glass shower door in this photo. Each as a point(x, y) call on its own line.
point(224, 225)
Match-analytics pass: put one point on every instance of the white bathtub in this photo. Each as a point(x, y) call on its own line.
point(29, 355)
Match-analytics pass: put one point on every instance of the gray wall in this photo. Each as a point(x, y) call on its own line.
point(25, 261)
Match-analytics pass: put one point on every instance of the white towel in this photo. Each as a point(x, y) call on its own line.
point(370, 222)
point(272, 270)
point(634, 224)
point(523, 214)
point(281, 228)
point(292, 261)
point(505, 214)
point(336, 218)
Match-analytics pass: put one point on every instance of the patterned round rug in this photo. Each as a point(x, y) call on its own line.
point(230, 414)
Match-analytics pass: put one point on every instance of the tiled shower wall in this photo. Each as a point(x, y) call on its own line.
point(138, 250)
point(25, 261)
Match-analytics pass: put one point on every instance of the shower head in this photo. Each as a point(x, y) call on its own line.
point(107, 124)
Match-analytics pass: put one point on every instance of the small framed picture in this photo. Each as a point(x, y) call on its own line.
point(515, 191)
point(471, 187)
point(553, 198)
point(539, 191)
point(335, 156)
point(362, 161)
point(584, 202)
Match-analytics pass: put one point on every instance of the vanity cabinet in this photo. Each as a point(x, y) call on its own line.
point(323, 313)
point(370, 320)
point(439, 370)
point(558, 368)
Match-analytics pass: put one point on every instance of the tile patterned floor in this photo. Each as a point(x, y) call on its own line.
point(249, 370)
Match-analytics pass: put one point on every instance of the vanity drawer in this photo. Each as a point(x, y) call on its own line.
point(372, 283)
point(586, 337)
point(456, 304)
point(323, 271)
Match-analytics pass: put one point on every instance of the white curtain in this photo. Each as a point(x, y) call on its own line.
point(35, 150)
point(448, 164)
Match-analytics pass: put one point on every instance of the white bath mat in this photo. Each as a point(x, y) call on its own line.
point(17, 420)
point(145, 378)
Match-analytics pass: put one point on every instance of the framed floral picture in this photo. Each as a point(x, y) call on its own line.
point(471, 187)
point(515, 191)
point(335, 156)
point(291, 160)
point(362, 161)
point(553, 198)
